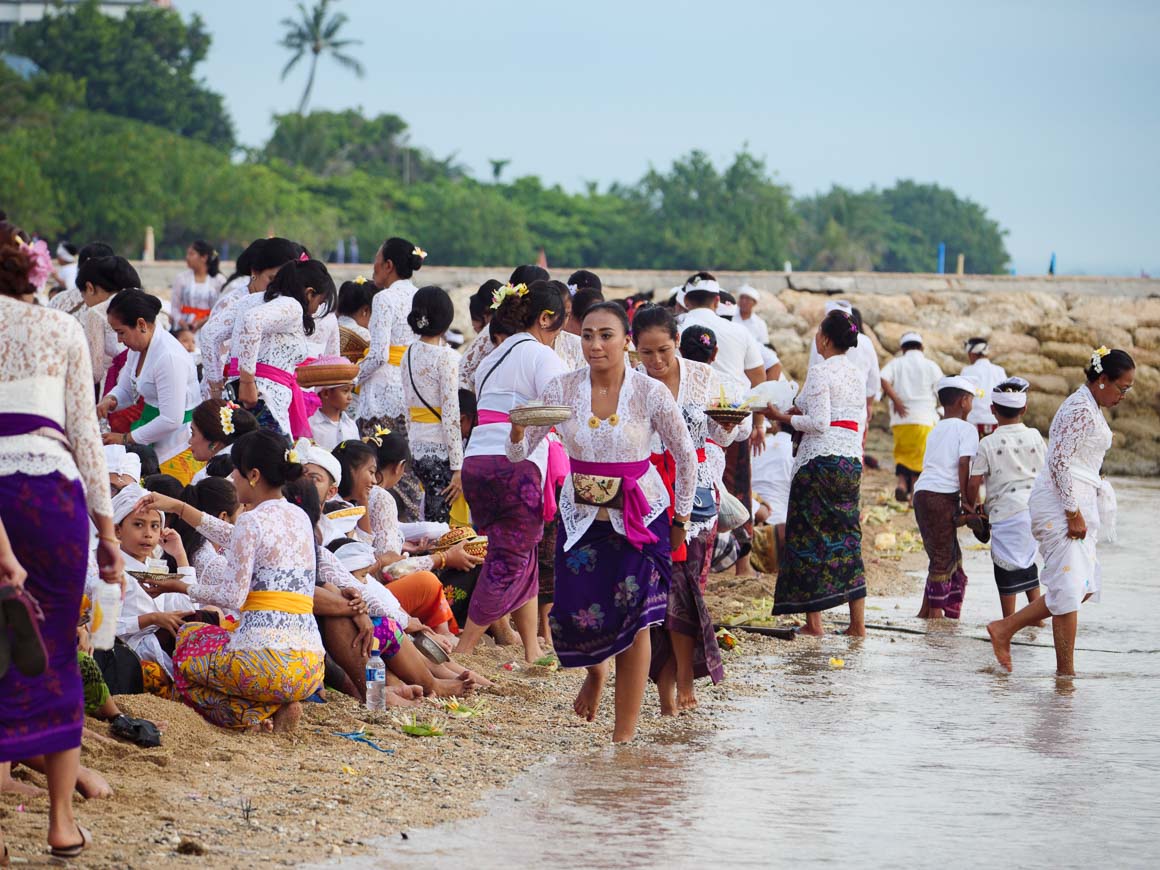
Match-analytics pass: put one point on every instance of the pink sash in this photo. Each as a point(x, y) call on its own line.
point(299, 400)
point(557, 468)
point(635, 507)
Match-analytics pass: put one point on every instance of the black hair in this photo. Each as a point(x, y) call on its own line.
point(207, 417)
point(698, 343)
point(354, 296)
point(293, 280)
point(150, 465)
point(1004, 413)
point(431, 311)
point(911, 345)
point(584, 299)
point(840, 328)
point(221, 465)
point(1116, 363)
point(857, 316)
point(499, 331)
point(211, 495)
point(518, 313)
point(613, 308)
point(582, 279)
point(302, 494)
point(975, 339)
point(165, 484)
point(273, 252)
point(699, 298)
point(132, 305)
point(479, 305)
point(351, 456)
point(947, 396)
point(69, 248)
point(527, 274)
point(244, 263)
point(700, 276)
point(112, 274)
point(654, 317)
point(467, 403)
point(92, 251)
point(390, 449)
point(402, 254)
point(212, 260)
point(265, 450)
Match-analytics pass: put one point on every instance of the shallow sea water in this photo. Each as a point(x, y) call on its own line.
point(918, 752)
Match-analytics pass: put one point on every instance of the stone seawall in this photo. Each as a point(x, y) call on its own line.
point(1041, 328)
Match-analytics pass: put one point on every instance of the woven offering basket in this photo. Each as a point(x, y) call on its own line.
point(453, 537)
point(727, 415)
point(326, 375)
point(352, 345)
point(476, 547)
point(540, 415)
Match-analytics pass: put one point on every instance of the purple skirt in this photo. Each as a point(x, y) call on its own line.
point(44, 516)
point(688, 615)
point(507, 505)
point(607, 591)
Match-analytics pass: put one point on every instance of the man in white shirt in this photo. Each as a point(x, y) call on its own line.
point(747, 300)
point(909, 381)
point(985, 375)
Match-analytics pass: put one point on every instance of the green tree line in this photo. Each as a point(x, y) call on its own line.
point(115, 132)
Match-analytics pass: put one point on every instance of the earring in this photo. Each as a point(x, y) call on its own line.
point(1102, 386)
point(252, 484)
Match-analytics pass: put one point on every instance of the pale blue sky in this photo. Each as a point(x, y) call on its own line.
point(1046, 112)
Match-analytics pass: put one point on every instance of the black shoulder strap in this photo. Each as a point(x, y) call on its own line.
point(411, 374)
point(491, 372)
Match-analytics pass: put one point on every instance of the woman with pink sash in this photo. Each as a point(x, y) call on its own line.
point(272, 343)
point(507, 499)
point(615, 540)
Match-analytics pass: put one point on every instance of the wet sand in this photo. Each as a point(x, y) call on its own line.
point(246, 800)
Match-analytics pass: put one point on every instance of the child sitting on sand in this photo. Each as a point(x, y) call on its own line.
point(1007, 464)
point(951, 446)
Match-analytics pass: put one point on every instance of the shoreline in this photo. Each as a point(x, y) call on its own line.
point(310, 796)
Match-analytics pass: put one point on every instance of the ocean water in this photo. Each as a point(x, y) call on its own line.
point(918, 752)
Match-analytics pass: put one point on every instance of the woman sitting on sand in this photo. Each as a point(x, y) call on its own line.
point(255, 676)
point(1065, 517)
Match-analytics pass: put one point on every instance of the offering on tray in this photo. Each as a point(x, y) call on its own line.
point(780, 394)
point(725, 410)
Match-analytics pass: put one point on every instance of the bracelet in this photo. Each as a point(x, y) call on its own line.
point(108, 539)
point(442, 561)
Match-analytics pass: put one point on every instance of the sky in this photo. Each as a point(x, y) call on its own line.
point(1045, 112)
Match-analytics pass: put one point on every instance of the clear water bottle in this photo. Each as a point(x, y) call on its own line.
point(106, 612)
point(376, 680)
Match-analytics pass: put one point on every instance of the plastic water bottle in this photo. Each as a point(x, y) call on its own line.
point(106, 612)
point(376, 680)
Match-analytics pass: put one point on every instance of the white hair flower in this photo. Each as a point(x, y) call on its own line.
point(292, 456)
point(226, 416)
point(1097, 359)
point(505, 291)
point(419, 252)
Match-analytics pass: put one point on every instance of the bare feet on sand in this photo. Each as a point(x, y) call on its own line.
point(587, 702)
point(286, 719)
point(451, 688)
point(686, 698)
point(1001, 643)
point(403, 696)
point(91, 785)
point(9, 785)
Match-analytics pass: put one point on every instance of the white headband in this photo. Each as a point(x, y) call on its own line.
point(355, 556)
point(749, 292)
point(727, 309)
point(126, 501)
point(1008, 400)
point(843, 306)
point(979, 347)
point(312, 454)
point(957, 382)
point(908, 337)
point(121, 461)
point(63, 255)
point(703, 285)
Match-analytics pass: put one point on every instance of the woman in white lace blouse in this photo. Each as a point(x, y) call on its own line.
point(197, 288)
point(1065, 517)
point(822, 566)
point(100, 279)
point(431, 391)
point(614, 544)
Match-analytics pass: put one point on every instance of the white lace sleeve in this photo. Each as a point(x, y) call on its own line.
point(279, 315)
point(380, 327)
point(533, 435)
point(476, 353)
point(1070, 427)
point(228, 581)
point(380, 601)
point(80, 424)
point(387, 536)
point(211, 340)
point(815, 403)
point(207, 560)
point(669, 423)
point(215, 531)
point(449, 387)
point(95, 339)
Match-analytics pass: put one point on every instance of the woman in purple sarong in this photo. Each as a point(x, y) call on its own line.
point(506, 498)
point(614, 544)
point(47, 418)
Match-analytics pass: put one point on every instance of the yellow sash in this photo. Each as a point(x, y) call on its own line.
point(395, 357)
point(425, 415)
point(284, 602)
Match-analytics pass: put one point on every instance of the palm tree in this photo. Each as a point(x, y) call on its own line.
point(315, 33)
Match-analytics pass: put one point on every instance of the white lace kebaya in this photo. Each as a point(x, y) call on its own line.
point(435, 373)
point(1077, 442)
point(273, 333)
point(835, 390)
point(380, 384)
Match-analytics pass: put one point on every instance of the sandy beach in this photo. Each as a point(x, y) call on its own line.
point(243, 800)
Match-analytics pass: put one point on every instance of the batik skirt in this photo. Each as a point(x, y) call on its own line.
point(946, 581)
point(409, 490)
point(44, 516)
point(687, 613)
point(822, 564)
point(607, 591)
point(507, 504)
point(434, 473)
point(547, 558)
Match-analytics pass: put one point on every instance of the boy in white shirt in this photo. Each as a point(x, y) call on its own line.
point(909, 382)
point(1007, 463)
point(951, 446)
point(330, 424)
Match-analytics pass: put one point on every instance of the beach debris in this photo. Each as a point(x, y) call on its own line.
point(190, 847)
point(349, 771)
point(414, 726)
point(726, 640)
point(548, 661)
point(457, 708)
point(247, 809)
point(360, 736)
point(836, 663)
point(510, 666)
point(885, 541)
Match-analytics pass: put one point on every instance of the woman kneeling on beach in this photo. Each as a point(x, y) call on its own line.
point(615, 540)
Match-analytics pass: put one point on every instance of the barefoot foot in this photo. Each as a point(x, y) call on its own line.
point(686, 698)
point(403, 696)
point(91, 785)
point(1001, 643)
point(587, 701)
point(450, 688)
point(286, 719)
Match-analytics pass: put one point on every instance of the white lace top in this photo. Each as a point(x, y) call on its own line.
point(186, 292)
point(380, 387)
point(70, 301)
point(1076, 443)
point(644, 407)
point(45, 370)
point(476, 352)
point(271, 550)
point(215, 338)
point(386, 535)
point(700, 384)
point(353, 325)
point(102, 341)
point(435, 370)
point(325, 340)
point(835, 390)
point(272, 333)
point(570, 349)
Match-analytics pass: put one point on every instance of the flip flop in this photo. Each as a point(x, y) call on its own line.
point(23, 615)
point(139, 731)
point(67, 853)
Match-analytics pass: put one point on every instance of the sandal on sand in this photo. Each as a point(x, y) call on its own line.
point(23, 615)
point(67, 853)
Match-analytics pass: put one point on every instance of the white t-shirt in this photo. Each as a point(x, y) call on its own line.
point(951, 440)
point(985, 375)
point(737, 350)
point(1009, 460)
point(772, 473)
point(756, 326)
point(328, 434)
point(865, 357)
point(914, 378)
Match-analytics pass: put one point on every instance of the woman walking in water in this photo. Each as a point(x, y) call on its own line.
point(1064, 517)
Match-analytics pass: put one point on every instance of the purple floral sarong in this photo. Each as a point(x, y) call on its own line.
point(688, 615)
point(607, 591)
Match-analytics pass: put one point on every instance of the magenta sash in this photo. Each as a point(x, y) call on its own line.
point(556, 470)
point(635, 504)
point(299, 416)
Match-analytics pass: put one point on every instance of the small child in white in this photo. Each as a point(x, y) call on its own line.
point(331, 424)
point(1007, 463)
point(937, 495)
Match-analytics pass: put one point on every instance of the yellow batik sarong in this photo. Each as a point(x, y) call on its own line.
point(182, 466)
point(910, 445)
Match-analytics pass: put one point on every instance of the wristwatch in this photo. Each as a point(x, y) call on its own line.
point(680, 524)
